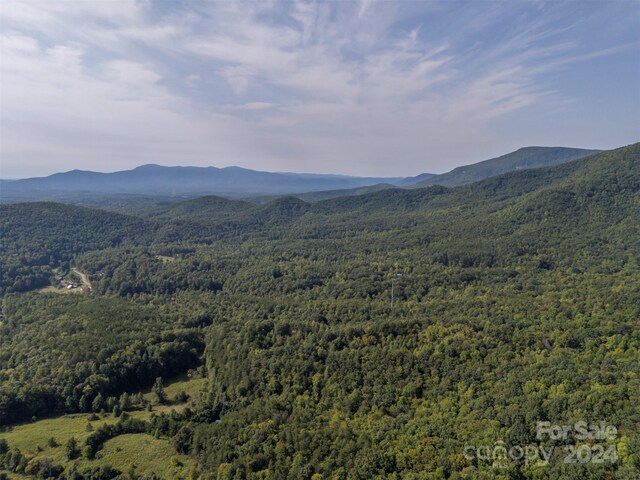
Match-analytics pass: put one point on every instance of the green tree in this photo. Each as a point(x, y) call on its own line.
point(98, 403)
point(72, 449)
point(125, 402)
point(158, 390)
point(84, 404)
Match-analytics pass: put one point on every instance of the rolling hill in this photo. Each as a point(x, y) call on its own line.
point(524, 158)
point(518, 301)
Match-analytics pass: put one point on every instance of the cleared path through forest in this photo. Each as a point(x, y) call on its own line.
point(83, 277)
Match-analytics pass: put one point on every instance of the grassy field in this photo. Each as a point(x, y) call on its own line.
point(147, 453)
point(61, 290)
point(32, 438)
point(191, 386)
point(144, 453)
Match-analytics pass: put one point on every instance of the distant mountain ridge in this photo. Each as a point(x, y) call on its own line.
point(78, 186)
point(523, 158)
point(527, 193)
point(160, 180)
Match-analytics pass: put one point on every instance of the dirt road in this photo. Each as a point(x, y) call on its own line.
point(83, 277)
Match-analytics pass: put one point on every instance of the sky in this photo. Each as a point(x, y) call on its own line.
point(362, 88)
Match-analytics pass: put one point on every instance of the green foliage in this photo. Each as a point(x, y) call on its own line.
point(72, 449)
point(158, 391)
point(528, 157)
point(94, 442)
point(67, 353)
point(519, 301)
point(37, 237)
point(183, 440)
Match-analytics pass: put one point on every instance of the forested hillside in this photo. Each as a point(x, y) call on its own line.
point(37, 237)
point(527, 157)
point(59, 353)
point(516, 300)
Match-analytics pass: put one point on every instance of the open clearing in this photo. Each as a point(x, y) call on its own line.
point(83, 278)
point(148, 454)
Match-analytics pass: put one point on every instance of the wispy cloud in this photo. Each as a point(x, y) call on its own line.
point(368, 87)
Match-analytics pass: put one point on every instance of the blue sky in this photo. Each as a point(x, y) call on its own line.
point(364, 88)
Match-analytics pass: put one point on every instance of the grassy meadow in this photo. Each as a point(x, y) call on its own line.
point(141, 453)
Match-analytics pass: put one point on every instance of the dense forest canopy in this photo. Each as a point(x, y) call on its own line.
point(517, 300)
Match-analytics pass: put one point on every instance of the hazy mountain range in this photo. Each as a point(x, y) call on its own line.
point(510, 286)
point(161, 180)
point(156, 180)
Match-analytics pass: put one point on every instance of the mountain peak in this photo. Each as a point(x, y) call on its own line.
point(150, 166)
point(523, 158)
